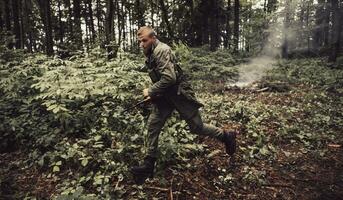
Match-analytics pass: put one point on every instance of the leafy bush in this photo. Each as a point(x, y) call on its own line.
point(69, 112)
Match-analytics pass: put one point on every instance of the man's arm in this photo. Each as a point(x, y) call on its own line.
point(165, 67)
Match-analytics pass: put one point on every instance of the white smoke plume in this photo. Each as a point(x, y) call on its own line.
point(256, 68)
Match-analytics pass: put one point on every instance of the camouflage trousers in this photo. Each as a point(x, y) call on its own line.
point(162, 110)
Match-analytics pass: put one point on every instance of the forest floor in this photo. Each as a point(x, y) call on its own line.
point(286, 151)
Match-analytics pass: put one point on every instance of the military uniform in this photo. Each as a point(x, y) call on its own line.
point(171, 90)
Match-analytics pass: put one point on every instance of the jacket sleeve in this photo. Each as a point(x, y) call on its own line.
point(166, 69)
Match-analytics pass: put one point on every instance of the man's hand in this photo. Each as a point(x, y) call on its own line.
point(146, 93)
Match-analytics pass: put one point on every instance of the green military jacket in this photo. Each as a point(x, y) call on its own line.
point(169, 80)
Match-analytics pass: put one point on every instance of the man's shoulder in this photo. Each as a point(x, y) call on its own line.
point(162, 48)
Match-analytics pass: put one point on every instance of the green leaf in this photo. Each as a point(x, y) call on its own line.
point(56, 169)
point(97, 138)
point(84, 162)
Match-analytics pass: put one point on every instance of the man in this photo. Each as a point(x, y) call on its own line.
point(170, 91)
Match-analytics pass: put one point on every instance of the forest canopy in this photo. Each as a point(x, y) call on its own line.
point(64, 27)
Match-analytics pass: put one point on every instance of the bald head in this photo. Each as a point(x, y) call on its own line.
point(146, 37)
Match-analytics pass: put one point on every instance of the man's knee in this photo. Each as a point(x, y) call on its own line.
point(195, 124)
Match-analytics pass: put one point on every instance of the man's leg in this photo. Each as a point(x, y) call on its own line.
point(158, 117)
point(198, 127)
point(160, 113)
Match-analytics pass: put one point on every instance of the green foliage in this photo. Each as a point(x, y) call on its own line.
point(68, 115)
point(202, 64)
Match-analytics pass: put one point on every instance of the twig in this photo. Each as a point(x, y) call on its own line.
point(276, 185)
point(170, 193)
point(158, 188)
point(263, 89)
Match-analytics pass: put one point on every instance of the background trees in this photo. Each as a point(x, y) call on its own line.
point(310, 28)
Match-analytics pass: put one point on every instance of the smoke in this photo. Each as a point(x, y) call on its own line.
point(256, 68)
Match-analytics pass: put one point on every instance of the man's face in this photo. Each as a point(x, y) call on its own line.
point(145, 42)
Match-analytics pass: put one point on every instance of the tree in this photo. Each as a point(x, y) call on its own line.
point(165, 19)
point(337, 15)
point(109, 27)
point(16, 23)
point(45, 13)
point(77, 31)
point(236, 25)
point(227, 34)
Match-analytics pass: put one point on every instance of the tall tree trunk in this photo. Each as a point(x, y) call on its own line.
point(326, 23)
point(318, 32)
point(61, 28)
point(337, 17)
point(165, 19)
point(99, 17)
point(284, 47)
point(91, 19)
point(27, 11)
point(16, 23)
point(45, 12)
point(123, 24)
point(77, 31)
point(1, 19)
point(139, 13)
point(236, 25)
point(152, 12)
point(109, 26)
point(119, 22)
point(214, 25)
point(227, 35)
point(69, 19)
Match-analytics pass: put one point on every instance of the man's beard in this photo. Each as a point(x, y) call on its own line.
point(147, 51)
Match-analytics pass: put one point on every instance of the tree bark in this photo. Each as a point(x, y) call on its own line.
point(227, 35)
point(16, 23)
point(61, 27)
point(109, 27)
point(336, 30)
point(284, 47)
point(45, 12)
point(27, 11)
point(77, 31)
point(1, 20)
point(165, 19)
point(140, 13)
point(236, 25)
point(91, 20)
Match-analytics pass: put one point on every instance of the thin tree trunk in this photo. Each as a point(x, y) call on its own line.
point(61, 28)
point(284, 48)
point(119, 22)
point(165, 19)
point(236, 25)
point(109, 28)
point(16, 23)
point(91, 20)
point(1, 20)
point(77, 32)
point(140, 13)
point(227, 25)
point(45, 12)
point(152, 11)
point(28, 13)
point(336, 30)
